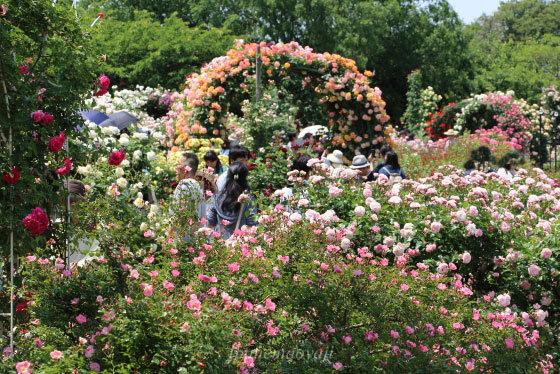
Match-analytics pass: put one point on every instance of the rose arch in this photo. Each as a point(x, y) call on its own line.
point(328, 88)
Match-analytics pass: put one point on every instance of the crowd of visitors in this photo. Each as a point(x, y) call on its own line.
point(223, 195)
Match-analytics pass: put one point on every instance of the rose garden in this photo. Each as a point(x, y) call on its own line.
point(445, 271)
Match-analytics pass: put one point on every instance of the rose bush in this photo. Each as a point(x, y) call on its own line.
point(353, 110)
point(263, 301)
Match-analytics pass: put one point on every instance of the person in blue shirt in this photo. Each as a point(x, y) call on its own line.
point(392, 168)
point(226, 206)
point(383, 151)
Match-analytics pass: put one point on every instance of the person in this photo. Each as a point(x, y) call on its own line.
point(212, 161)
point(451, 137)
point(237, 153)
point(292, 136)
point(469, 167)
point(309, 138)
point(404, 134)
point(300, 164)
point(361, 164)
point(188, 189)
point(392, 169)
point(383, 152)
point(335, 159)
point(226, 206)
point(508, 163)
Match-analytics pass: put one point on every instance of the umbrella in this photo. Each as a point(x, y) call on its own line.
point(121, 120)
point(93, 116)
point(313, 130)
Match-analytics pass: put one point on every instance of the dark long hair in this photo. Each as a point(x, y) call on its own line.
point(236, 184)
point(393, 160)
point(212, 156)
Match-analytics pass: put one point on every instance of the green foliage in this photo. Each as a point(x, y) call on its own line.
point(517, 48)
point(49, 42)
point(147, 52)
point(413, 118)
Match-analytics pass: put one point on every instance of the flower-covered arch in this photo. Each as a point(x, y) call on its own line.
point(330, 85)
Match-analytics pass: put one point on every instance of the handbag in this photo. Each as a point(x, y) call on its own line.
point(239, 216)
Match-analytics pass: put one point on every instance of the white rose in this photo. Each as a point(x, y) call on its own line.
point(143, 226)
point(139, 186)
point(119, 172)
point(137, 154)
point(151, 156)
point(140, 136)
point(121, 182)
point(151, 216)
point(125, 163)
point(124, 141)
point(158, 135)
point(106, 130)
point(154, 209)
point(139, 202)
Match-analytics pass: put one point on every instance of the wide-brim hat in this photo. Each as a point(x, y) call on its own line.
point(336, 157)
point(451, 132)
point(359, 162)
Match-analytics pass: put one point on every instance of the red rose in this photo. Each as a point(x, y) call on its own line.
point(116, 157)
point(100, 15)
point(100, 93)
point(23, 69)
point(37, 221)
point(37, 116)
point(251, 166)
point(104, 82)
point(56, 143)
point(9, 179)
point(47, 119)
point(67, 167)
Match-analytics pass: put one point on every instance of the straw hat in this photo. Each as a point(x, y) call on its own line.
point(336, 157)
point(208, 180)
point(451, 132)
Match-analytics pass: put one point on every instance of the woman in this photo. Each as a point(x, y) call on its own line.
point(226, 206)
point(508, 163)
point(392, 170)
point(212, 161)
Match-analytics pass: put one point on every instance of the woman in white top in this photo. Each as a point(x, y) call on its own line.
point(508, 163)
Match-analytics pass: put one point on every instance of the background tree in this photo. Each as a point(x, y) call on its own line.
point(517, 48)
point(144, 51)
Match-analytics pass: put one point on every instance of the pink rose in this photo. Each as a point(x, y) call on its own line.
point(56, 355)
point(81, 319)
point(37, 116)
point(337, 366)
point(47, 119)
point(546, 253)
point(67, 167)
point(534, 270)
point(436, 227)
point(249, 361)
point(23, 367)
point(509, 343)
point(104, 82)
